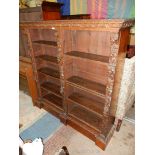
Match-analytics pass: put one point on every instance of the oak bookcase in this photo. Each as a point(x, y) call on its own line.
point(78, 68)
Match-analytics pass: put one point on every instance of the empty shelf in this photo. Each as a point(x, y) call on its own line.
point(57, 101)
point(45, 42)
point(53, 88)
point(90, 104)
point(48, 58)
point(49, 71)
point(90, 56)
point(87, 117)
point(92, 86)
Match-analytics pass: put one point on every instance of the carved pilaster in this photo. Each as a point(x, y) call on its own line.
point(114, 40)
point(60, 59)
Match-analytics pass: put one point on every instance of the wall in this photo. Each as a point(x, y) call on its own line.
point(99, 9)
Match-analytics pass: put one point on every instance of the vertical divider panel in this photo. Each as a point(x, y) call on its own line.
point(34, 64)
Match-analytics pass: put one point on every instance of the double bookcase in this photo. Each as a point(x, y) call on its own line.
point(78, 67)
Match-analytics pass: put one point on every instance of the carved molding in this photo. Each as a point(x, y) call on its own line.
point(85, 24)
point(114, 41)
point(62, 87)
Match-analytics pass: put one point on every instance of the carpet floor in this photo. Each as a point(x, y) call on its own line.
point(43, 128)
point(122, 142)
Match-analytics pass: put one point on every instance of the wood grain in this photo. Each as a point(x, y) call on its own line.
point(45, 42)
point(48, 58)
point(87, 102)
point(90, 56)
point(50, 71)
point(93, 86)
point(89, 118)
point(52, 87)
point(57, 101)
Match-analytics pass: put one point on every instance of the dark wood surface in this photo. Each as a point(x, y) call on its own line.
point(45, 42)
point(90, 56)
point(79, 16)
point(82, 128)
point(48, 58)
point(23, 84)
point(52, 87)
point(93, 86)
point(57, 101)
point(26, 70)
point(88, 103)
point(87, 117)
point(54, 109)
point(51, 6)
point(50, 71)
point(51, 10)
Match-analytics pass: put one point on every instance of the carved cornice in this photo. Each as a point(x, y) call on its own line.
point(114, 24)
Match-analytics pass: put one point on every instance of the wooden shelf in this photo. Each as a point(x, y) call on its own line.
point(45, 42)
point(53, 88)
point(48, 58)
point(87, 84)
point(86, 117)
point(50, 72)
point(53, 99)
point(89, 56)
point(90, 104)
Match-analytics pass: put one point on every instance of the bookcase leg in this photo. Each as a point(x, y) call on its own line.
point(100, 141)
point(39, 104)
point(63, 118)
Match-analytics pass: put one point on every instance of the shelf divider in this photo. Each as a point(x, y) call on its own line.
point(87, 117)
point(89, 56)
point(88, 84)
point(52, 87)
point(53, 99)
point(49, 71)
point(45, 42)
point(48, 58)
point(90, 104)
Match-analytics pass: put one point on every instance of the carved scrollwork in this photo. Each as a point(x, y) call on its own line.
point(114, 24)
point(104, 124)
point(59, 58)
point(109, 87)
point(59, 49)
point(108, 91)
point(114, 40)
point(62, 86)
point(61, 72)
point(114, 37)
point(107, 104)
point(61, 89)
point(128, 23)
point(111, 72)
